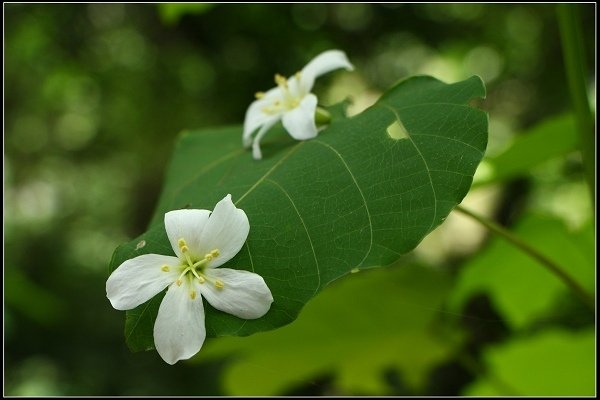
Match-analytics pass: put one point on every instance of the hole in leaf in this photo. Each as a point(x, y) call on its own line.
point(397, 131)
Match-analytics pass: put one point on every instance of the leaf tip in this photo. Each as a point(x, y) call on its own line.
point(477, 80)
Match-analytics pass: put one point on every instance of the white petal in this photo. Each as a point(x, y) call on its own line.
point(244, 294)
point(256, 153)
point(255, 115)
point(321, 64)
point(138, 280)
point(226, 230)
point(300, 122)
point(187, 225)
point(255, 118)
point(179, 330)
point(296, 87)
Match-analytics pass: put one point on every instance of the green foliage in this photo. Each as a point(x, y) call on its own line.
point(362, 326)
point(551, 363)
point(46, 308)
point(171, 13)
point(520, 287)
point(352, 198)
point(552, 138)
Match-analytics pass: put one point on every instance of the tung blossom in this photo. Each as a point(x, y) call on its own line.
point(202, 241)
point(291, 102)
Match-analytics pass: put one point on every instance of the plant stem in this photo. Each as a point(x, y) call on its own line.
point(575, 66)
point(533, 253)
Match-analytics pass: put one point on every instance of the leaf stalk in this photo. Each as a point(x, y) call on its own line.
point(550, 265)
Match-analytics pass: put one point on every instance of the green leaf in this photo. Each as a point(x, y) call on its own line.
point(362, 326)
point(521, 288)
point(551, 138)
point(551, 363)
point(352, 198)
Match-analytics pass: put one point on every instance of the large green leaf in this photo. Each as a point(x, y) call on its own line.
point(355, 331)
point(550, 363)
point(354, 197)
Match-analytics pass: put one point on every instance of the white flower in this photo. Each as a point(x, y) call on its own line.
point(291, 102)
point(202, 242)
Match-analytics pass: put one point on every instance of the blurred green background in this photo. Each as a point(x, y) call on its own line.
point(95, 95)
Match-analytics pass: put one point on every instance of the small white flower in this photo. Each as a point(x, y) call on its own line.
point(202, 242)
point(291, 102)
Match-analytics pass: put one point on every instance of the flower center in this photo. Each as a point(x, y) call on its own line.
point(291, 95)
point(194, 268)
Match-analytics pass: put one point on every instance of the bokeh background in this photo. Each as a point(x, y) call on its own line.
point(94, 98)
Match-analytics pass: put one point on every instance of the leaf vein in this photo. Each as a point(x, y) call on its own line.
point(250, 255)
point(139, 318)
point(435, 201)
point(204, 170)
point(361, 195)
point(269, 172)
point(305, 229)
point(453, 139)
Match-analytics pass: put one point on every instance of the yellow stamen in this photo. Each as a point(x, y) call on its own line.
point(165, 268)
point(219, 284)
point(195, 273)
point(259, 95)
point(199, 263)
point(298, 74)
point(280, 80)
point(201, 279)
point(185, 271)
point(184, 249)
point(215, 253)
point(193, 294)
